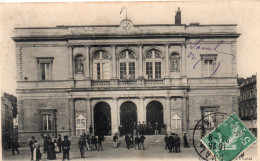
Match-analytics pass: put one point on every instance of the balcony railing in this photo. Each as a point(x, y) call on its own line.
point(153, 81)
point(100, 82)
point(127, 82)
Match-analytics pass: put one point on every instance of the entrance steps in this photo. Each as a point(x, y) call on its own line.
point(149, 140)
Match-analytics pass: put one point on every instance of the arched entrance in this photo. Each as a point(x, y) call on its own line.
point(154, 117)
point(102, 119)
point(128, 117)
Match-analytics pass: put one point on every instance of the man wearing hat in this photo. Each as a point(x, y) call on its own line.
point(82, 146)
point(66, 148)
point(59, 142)
point(31, 145)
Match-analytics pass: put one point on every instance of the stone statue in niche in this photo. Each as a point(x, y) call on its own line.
point(79, 65)
point(175, 65)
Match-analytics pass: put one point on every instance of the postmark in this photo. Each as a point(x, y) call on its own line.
point(229, 139)
point(201, 129)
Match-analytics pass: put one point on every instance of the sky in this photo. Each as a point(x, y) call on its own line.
point(246, 14)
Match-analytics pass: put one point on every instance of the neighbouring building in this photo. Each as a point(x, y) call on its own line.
point(248, 102)
point(7, 106)
point(71, 77)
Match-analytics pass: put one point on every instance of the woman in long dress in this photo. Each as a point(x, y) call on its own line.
point(51, 155)
point(36, 152)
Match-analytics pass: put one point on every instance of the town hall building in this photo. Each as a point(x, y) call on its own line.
point(170, 75)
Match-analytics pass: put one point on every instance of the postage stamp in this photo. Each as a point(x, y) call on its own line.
point(229, 140)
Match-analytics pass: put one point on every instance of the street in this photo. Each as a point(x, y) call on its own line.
point(154, 150)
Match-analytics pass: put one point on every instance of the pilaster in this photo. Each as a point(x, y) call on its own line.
point(115, 116)
point(167, 67)
point(89, 113)
point(183, 64)
point(70, 62)
point(141, 110)
point(71, 115)
point(19, 68)
point(140, 61)
point(167, 113)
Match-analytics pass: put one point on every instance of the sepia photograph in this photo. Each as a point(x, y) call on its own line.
point(129, 80)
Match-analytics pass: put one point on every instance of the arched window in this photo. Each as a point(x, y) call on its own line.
point(79, 67)
point(101, 65)
point(153, 62)
point(127, 61)
point(175, 62)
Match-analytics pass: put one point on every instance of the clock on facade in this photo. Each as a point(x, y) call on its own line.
point(126, 25)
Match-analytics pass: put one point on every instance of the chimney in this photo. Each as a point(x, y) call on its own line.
point(178, 17)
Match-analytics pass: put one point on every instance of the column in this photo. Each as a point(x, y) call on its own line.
point(87, 68)
point(114, 62)
point(167, 71)
point(183, 60)
point(89, 113)
point(20, 114)
point(140, 60)
point(184, 114)
point(114, 119)
point(70, 62)
point(141, 110)
point(72, 117)
point(168, 113)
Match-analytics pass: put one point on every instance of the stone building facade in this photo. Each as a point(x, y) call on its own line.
point(107, 76)
point(248, 102)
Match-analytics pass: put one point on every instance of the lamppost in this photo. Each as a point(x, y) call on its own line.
point(55, 122)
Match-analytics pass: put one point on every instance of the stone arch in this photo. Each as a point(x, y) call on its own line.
point(100, 49)
point(102, 118)
point(151, 48)
point(126, 48)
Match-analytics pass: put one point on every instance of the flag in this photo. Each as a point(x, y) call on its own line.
point(122, 9)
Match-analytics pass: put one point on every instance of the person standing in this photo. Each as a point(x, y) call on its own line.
point(127, 141)
point(170, 140)
point(131, 141)
point(90, 130)
point(94, 141)
point(156, 128)
point(15, 146)
point(142, 138)
point(66, 148)
point(51, 155)
point(185, 138)
point(166, 140)
point(177, 144)
point(82, 146)
point(88, 142)
point(59, 142)
point(100, 140)
point(115, 138)
point(37, 156)
point(31, 145)
point(137, 142)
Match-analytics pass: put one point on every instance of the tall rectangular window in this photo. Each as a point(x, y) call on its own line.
point(208, 68)
point(132, 70)
point(157, 70)
point(149, 70)
point(45, 71)
point(45, 68)
point(47, 122)
point(122, 70)
point(98, 71)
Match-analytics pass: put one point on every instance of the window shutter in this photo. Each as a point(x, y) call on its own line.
point(95, 71)
point(106, 70)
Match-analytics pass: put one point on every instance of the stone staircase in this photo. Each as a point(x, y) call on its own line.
point(149, 140)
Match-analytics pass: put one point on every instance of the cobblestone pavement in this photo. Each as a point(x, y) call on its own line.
point(152, 151)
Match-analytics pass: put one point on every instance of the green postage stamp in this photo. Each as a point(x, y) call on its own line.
point(230, 139)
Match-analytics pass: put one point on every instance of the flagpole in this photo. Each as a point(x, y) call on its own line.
point(126, 12)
